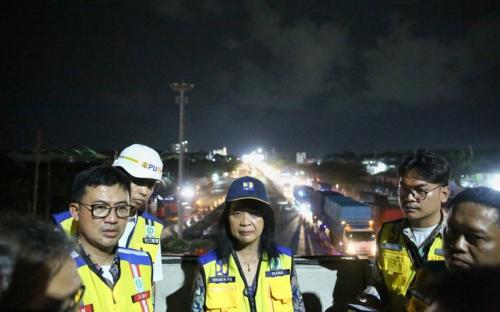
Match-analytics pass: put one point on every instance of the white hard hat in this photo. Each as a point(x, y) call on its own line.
point(140, 161)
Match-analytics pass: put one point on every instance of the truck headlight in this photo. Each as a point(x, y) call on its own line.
point(351, 249)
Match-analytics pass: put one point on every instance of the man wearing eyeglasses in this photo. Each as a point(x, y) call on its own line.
point(406, 244)
point(143, 166)
point(118, 279)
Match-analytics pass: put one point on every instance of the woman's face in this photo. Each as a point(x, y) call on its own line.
point(245, 224)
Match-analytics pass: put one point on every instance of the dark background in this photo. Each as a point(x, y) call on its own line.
point(315, 76)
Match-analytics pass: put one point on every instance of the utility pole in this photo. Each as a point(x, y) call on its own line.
point(37, 173)
point(181, 88)
point(48, 194)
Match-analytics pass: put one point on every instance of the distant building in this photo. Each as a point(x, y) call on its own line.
point(301, 158)
point(222, 151)
point(217, 154)
point(388, 177)
point(190, 157)
point(375, 166)
point(176, 149)
point(489, 179)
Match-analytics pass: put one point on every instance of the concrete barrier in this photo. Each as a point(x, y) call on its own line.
point(327, 283)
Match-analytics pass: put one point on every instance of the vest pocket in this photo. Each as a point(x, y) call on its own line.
point(394, 262)
point(222, 298)
point(397, 270)
point(281, 294)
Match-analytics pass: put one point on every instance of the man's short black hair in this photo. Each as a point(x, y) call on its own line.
point(428, 165)
point(481, 195)
point(96, 176)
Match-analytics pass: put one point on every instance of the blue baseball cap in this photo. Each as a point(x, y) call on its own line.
point(247, 188)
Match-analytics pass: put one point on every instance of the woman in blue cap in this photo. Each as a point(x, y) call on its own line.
point(247, 271)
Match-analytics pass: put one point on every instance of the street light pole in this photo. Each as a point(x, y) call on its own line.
point(181, 88)
point(37, 173)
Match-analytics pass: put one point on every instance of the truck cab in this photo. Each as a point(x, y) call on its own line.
point(359, 241)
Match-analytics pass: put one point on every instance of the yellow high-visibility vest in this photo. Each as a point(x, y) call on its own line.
point(65, 222)
point(225, 286)
point(131, 292)
point(146, 235)
point(396, 264)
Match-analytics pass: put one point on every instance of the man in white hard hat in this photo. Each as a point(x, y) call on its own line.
point(143, 166)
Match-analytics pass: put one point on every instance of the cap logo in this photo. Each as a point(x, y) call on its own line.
point(248, 186)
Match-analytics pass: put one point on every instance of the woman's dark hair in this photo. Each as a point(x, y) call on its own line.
point(225, 240)
point(429, 166)
point(96, 176)
point(37, 253)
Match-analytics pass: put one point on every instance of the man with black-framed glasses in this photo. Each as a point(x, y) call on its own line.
point(143, 167)
point(115, 278)
point(404, 245)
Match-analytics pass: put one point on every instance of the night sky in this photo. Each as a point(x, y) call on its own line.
point(315, 76)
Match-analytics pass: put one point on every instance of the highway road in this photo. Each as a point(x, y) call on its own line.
point(291, 230)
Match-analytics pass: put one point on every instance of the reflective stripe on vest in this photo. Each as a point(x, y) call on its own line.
point(225, 286)
point(396, 265)
point(132, 291)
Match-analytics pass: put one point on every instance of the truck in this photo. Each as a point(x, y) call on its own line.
point(318, 200)
point(350, 225)
point(359, 239)
point(384, 209)
point(167, 208)
point(321, 186)
point(302, 195)
point(302, 192)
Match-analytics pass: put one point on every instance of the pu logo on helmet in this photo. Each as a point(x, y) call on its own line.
point(150, 167)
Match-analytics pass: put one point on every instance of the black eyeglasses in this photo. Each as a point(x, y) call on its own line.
point(417, 194)
point(101, 211)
